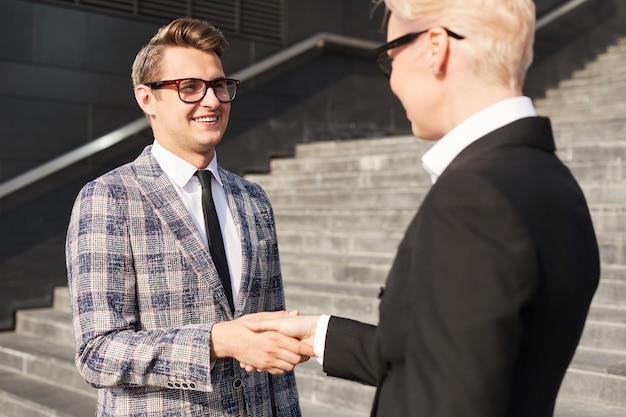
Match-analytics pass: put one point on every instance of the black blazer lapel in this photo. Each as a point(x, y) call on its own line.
point(535, 132)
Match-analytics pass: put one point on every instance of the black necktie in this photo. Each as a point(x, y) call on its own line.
point(214, 235)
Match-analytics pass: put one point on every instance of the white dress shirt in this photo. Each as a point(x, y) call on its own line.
point(187, 185)
point(440, 155)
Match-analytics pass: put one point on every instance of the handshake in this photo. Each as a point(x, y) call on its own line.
point(273, 342)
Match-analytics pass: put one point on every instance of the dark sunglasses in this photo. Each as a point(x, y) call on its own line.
point(383, 58)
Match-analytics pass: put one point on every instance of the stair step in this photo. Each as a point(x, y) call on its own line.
point(357, 302)
point(27, 397)
point(61, 299)
point(588, 79)
point(313, 409)
point(407, 175)
point(346, 163)
point(401, 197)
point(358, 219)
point(610, 362)
point(605, 193)
point(348, 242)
point(591, 131)
point(588, 131)
point(606, 112)
point(36, 358)
point(614, 272)
point(47, 324)
point(576, 408)
point(608, 65)
point(593, 386)
point(612, 248)
point(605, 328)
point(393, 144)
point(317, 389)
point(582, 95)
point(610, 292)
point(333, 267)
point(609, 219)
point(584, 152)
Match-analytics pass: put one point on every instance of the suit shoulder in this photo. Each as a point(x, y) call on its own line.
point(114, 184)
point(241, 185)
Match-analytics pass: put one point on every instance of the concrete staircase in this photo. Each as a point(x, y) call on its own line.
point(38, 377)
point(341, 208)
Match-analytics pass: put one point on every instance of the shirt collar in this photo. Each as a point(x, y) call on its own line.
point(439, 156)
point(179, 170)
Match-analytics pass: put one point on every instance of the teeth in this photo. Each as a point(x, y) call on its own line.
point(206, 119)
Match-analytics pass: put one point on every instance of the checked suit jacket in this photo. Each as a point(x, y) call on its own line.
point(488, 294)
point(144, 294)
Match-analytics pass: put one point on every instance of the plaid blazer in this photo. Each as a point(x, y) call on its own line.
point(144, 294)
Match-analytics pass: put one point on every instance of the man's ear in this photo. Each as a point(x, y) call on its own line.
point(439, 48)
point(145, 99)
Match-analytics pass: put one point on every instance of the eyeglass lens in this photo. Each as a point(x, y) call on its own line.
point(192, 91)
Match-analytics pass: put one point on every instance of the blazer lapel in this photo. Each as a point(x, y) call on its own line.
point(175, 218)
point(534, 132)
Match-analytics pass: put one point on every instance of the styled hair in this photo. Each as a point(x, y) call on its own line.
point(499, 33)
point(185, 32)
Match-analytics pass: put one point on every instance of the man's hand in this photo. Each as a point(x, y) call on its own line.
point(291, 325)
point(268, 351)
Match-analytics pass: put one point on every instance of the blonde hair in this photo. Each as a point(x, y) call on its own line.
point(499, 33)
point(185, 32)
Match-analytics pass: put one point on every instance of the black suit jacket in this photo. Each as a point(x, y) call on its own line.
point(488, 294)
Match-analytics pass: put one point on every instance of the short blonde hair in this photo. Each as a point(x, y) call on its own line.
point(499, 33)
point(185, 32)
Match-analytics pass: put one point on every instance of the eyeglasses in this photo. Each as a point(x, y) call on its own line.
point(192, 90)
point(383, 58)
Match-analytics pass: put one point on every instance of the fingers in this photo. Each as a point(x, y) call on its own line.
point(267, 315)
point(300, 327)
point(268, 350)
point(262, 325)
point(271, 352)
point(249, 368)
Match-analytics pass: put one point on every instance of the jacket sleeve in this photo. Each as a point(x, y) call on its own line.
point(111, 347)
point(350, 351)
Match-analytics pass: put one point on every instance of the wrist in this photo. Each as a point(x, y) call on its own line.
point(219, 347)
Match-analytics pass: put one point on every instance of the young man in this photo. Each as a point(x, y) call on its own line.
point(490, 288)
point(156, 311)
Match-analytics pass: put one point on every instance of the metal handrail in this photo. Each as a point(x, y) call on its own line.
point(557, 13)
point(295, 53)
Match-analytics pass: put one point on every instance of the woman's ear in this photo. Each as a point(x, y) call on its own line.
point(439, 48)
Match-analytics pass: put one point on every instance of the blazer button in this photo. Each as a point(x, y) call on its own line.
point(185, 385)
point(170, 385)
point(192, 385)
point(237, 383)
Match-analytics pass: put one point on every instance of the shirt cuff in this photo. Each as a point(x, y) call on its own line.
point(320, 337)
